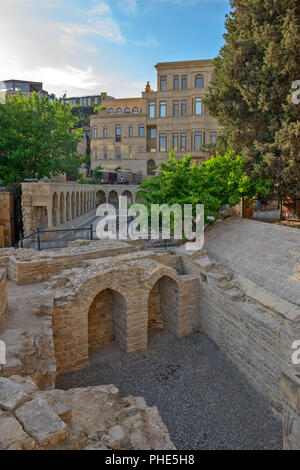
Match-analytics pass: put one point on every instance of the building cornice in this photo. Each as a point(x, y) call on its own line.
point(184, 64)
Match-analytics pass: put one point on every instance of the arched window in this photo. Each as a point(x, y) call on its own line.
point(150, 167)
point(135, 110)
point(110, 111)
point(127, 110)
point(119, 111)
point(199, 81)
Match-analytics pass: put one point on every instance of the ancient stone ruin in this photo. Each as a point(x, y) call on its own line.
point(241, 290)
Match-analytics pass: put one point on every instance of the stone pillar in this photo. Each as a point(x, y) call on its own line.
point(290, 383)
point(28, 215)
point(50, 217)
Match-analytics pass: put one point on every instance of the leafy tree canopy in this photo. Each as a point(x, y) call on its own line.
point(250, 94)
point(37, 139)
point(214, 182)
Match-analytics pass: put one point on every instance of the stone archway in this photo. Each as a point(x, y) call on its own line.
point(84, 202)
point(163, 304)
point(129, 196)
point(100, 198)
point(113, 199)
point(68, 207)
point(81, 203)
point(73, 206)
point(107, 319)
point(77, 205)
point(62, 208)
point(55, 210)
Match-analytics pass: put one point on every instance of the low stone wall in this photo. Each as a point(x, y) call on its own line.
point(3, 292)
point(29, 266)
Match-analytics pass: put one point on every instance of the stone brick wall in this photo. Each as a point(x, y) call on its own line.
point(109, 299)
point(100, 319)
point(3, 293)
point(291, 425)
point(155, 318)
point(250, 305)
point(29, 266)
point(2, 237)
point(7, 217)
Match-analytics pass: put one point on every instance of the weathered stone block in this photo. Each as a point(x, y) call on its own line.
point(12, 394)
point(41, 422)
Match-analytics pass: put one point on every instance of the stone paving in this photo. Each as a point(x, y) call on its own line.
point(203, 400)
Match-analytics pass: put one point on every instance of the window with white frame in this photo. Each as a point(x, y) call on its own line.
point(197, 140)
point(163, 83)
point(198, 106)
point(163, 142)
point(163, 109)
point(152, 109)
point(175, 108)
point(175, 141)
point(199, 81)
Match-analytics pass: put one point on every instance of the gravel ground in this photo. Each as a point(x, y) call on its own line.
point(202, 398)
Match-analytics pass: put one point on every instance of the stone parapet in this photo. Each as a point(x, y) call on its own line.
point(29, 266)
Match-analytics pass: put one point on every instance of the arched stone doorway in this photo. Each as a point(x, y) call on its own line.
point(107, 319)
point(128, 195)
point(73, 206)
point(62, 208)
point(163, 305)
point(113, 199)
point(77, 205)
point(100, 198)
point(68, 207)
point(150, 167)
point(81, 203)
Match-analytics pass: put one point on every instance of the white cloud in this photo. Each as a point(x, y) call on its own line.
point(129, 6)
point(150, 42)
point(33, 46)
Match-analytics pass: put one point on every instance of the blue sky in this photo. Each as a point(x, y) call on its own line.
point(88, 46)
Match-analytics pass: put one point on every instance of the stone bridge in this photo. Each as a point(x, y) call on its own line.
point(67, 205)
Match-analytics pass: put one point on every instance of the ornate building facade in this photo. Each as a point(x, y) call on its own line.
point(136, 134)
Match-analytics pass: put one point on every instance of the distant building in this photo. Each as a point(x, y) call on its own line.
point(87, 100)
point(136, 134)
point(83, 108)
point(12, 87)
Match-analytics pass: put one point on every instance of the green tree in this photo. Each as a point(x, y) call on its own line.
point(97, 173)
point(37, 139)
point(215, 182)
point(250, 93)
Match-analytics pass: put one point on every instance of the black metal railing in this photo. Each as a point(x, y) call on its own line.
point(53, 239)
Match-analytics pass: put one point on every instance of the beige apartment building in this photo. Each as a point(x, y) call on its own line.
point(136, 134)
